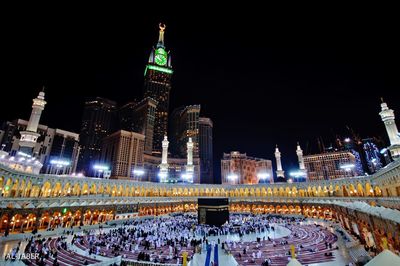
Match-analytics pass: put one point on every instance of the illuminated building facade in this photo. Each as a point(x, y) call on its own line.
point(238, 168)
point(64, 152)
point(330, 165)
point(372, 155)
point(140, 117)
point(122, 151)
point(157, 85)
point(206, 150)
point(97, 123)
point(184, 125)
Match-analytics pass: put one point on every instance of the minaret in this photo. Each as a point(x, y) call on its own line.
point(299, 153)
point(29, 137)
point(279, 171)
point(189, 165)
point(388, 118)
point(164, 161)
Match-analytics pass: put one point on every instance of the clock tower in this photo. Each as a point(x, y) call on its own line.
point(157, 85)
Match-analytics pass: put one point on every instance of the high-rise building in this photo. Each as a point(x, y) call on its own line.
point(97, 123)
point(157, 85)
point(372, 155)
point(238, 168)
point(123, 152)
point(9, 129)
point(126, 116)
point(139, 117)
point(353, 145)
point(330, 165)
point(184, 125)
point(206, 150)
point(63, 152)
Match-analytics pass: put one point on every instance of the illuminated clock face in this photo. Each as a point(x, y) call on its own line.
point(161, 57)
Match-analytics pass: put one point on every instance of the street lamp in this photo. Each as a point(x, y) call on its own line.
point(58, 164)
point(100, 168)
point(297, 174)
point(233, 177)
point(348, 168)
point(138, 172)
point(163, 176)
point(385, 154)
point(263, 176)
point(187, 177)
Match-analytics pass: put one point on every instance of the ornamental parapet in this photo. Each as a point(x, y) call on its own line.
point(14, 184)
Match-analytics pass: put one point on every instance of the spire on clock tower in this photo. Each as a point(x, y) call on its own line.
point(161, 35)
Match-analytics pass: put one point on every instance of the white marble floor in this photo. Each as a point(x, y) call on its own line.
point(228, 260)
point(342, 257)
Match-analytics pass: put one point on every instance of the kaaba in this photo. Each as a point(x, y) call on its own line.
point(213, 211)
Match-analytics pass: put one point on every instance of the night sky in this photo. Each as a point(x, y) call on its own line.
point(263, 78)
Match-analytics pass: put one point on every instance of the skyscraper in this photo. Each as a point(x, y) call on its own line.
point(372, 155)
point(184, 124)
point(96, 124)
point(140, 117)
point(126, 116)
point(206, 150)
point(157, 85)
point(123, 151)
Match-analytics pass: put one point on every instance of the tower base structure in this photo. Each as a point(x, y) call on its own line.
point(395, 151)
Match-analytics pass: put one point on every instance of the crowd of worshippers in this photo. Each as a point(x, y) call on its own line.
point(162, 239)
point(146, 238)
point(42, 247)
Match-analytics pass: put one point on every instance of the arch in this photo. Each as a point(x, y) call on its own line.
point(67, 189)
point(352, 190)
point(93, 189)
point(369, 190)
point(57, 189)
point(294, 192)
point(46, 189)
point(27, 190)
point(20, 191)
point(85, 189)
point(121, 190)
point(360, 190)
point(76, 190)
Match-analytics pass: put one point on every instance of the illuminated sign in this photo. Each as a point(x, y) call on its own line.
point(158, 68)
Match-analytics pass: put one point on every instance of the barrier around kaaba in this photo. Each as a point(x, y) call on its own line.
point(213, 211)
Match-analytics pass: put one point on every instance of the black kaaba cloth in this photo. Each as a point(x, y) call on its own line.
point(213, 211)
